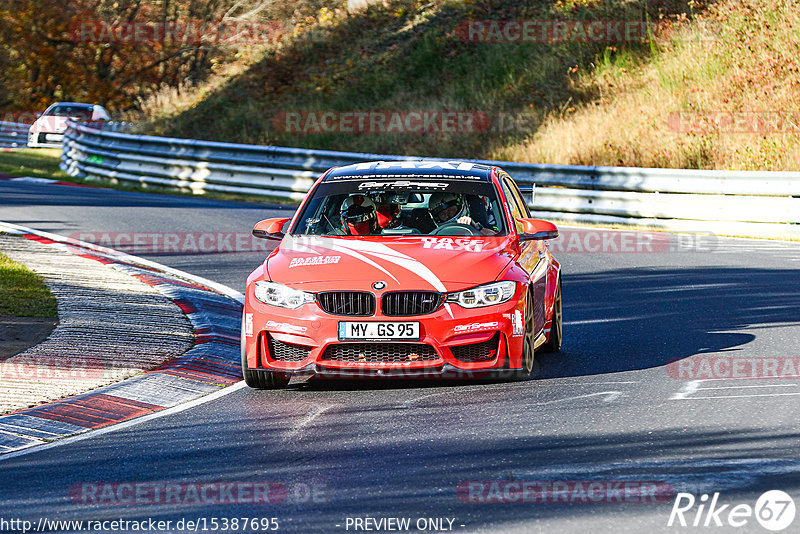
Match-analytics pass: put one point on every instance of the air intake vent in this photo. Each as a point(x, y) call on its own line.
point(286, 352)
point(380, 352)
point(353, 303)
point(405, 303)
point(485, 351)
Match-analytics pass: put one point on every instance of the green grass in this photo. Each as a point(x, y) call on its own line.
point(39, 163)
point(23, 293)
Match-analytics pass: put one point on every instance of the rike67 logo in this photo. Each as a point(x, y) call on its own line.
point(774, 510)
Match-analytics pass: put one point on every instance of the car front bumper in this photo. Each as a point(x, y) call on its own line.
point(454, 342)
point(38, 139)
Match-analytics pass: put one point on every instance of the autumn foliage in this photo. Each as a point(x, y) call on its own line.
point(62, 50)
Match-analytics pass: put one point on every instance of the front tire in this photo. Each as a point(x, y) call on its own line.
point(528, 342)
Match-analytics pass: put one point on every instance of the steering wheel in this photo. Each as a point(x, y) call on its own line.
point(455, 229)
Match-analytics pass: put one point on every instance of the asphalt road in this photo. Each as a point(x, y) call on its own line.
point(606, 409)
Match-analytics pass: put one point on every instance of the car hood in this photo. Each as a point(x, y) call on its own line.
point(422, 263)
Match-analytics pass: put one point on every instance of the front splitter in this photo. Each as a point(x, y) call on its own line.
point(445, 371)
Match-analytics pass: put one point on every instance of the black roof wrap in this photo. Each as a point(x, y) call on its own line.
point(382, 170)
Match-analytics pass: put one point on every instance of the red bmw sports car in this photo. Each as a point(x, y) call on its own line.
point(404, 269)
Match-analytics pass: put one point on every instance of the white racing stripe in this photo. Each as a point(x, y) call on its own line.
point(376, 250)
point(357, 250)
point(296, 246)
point(352, 253)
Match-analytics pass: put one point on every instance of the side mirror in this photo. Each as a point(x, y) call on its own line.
point(535, 229)
point(270, 228)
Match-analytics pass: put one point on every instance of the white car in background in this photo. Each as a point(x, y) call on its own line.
point(48, 130)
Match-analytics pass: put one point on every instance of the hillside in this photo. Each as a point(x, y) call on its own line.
point(703, 85)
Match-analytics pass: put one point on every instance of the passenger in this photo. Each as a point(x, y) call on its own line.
point(451, 208)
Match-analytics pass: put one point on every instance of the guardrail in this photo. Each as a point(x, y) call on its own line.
point(13, 134)
point(756, 204)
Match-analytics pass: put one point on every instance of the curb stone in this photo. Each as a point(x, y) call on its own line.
point(211, 364)
point(111, 326)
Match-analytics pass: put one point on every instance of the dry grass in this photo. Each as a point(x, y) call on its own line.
point(749, 71)
point(570, 103)
point(170, 101)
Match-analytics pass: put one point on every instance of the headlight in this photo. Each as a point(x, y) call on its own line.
point(486, 295)
point(281, 295)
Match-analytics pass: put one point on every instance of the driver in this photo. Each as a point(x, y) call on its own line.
point(359, 215)
point(449, 208)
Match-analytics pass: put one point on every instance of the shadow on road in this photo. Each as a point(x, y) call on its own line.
point(628, 319)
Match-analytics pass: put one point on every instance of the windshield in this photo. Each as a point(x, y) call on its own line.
point(80, 112)
point(435, 207)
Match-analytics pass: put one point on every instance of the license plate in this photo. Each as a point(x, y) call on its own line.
point(378, 331)
point(54, 137)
